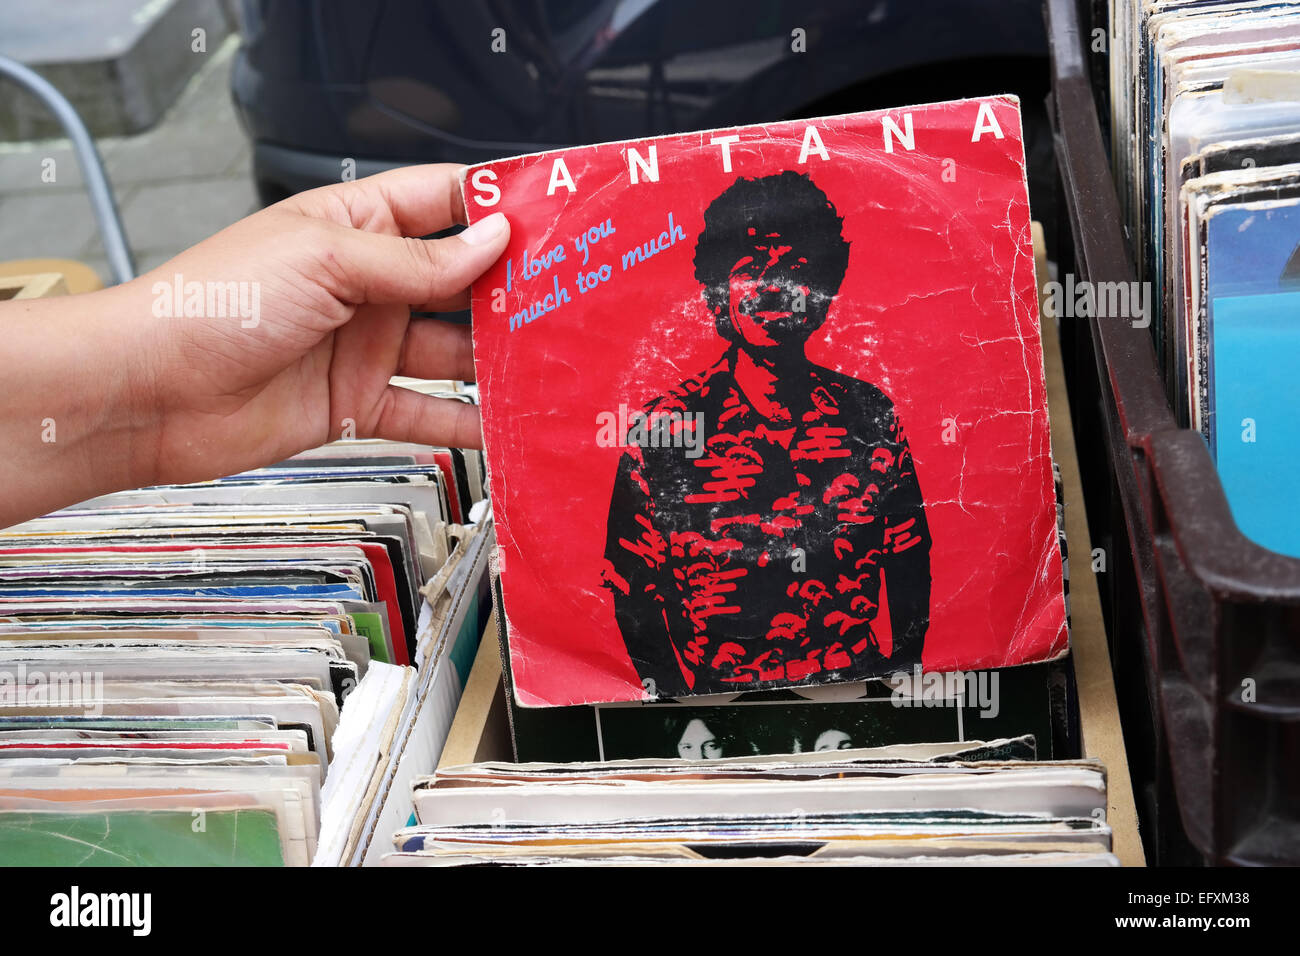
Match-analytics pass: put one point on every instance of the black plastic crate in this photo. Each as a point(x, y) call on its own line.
point(1198, 615)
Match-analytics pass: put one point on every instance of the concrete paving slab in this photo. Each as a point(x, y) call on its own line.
point(120, 62)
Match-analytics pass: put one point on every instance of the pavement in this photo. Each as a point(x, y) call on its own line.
point(177, 183)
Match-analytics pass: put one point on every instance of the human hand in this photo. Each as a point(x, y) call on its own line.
point(120, 388)
point(333, 275)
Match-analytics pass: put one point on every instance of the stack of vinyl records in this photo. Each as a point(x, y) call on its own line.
point(917, 805)
point(1205, 116)
point(220, 673)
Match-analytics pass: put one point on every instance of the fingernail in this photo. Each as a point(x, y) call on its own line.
point(483, 231)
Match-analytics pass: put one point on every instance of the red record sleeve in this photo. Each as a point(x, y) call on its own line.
point(765, 407)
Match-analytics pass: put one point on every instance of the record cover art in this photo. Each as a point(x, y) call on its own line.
point(1252, 343)
point(764, 407)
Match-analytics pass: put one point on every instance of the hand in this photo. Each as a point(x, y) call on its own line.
point(338, 278)
point(327, 281)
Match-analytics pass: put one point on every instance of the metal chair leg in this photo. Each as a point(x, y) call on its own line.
point(120, 261)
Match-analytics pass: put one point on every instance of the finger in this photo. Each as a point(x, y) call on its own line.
point(390, 270)
point(419, 200)
point(422, 199)
point(409, 416)
point(453, 303)
point(436, 349)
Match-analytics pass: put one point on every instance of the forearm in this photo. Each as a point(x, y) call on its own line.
point(74, 405)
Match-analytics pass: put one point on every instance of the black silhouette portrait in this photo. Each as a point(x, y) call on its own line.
point(754, 551)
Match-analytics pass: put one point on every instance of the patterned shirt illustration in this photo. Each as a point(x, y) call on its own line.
point(754, 556)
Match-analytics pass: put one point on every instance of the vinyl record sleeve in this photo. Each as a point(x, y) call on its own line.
point(765, 407)
point(1253, 340)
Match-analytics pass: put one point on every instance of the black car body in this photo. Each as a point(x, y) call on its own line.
point(331, 89)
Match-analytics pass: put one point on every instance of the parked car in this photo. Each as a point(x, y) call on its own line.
point(325, 89)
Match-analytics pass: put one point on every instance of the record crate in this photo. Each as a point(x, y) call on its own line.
point(1204, 624)
point(483, 731)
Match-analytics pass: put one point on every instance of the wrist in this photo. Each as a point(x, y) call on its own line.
point(78, 412)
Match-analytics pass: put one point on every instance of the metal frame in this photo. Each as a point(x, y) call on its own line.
point(120, 261)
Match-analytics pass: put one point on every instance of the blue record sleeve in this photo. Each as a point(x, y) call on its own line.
point(1253, 346)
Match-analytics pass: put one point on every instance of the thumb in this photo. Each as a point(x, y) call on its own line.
point(391, 270)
